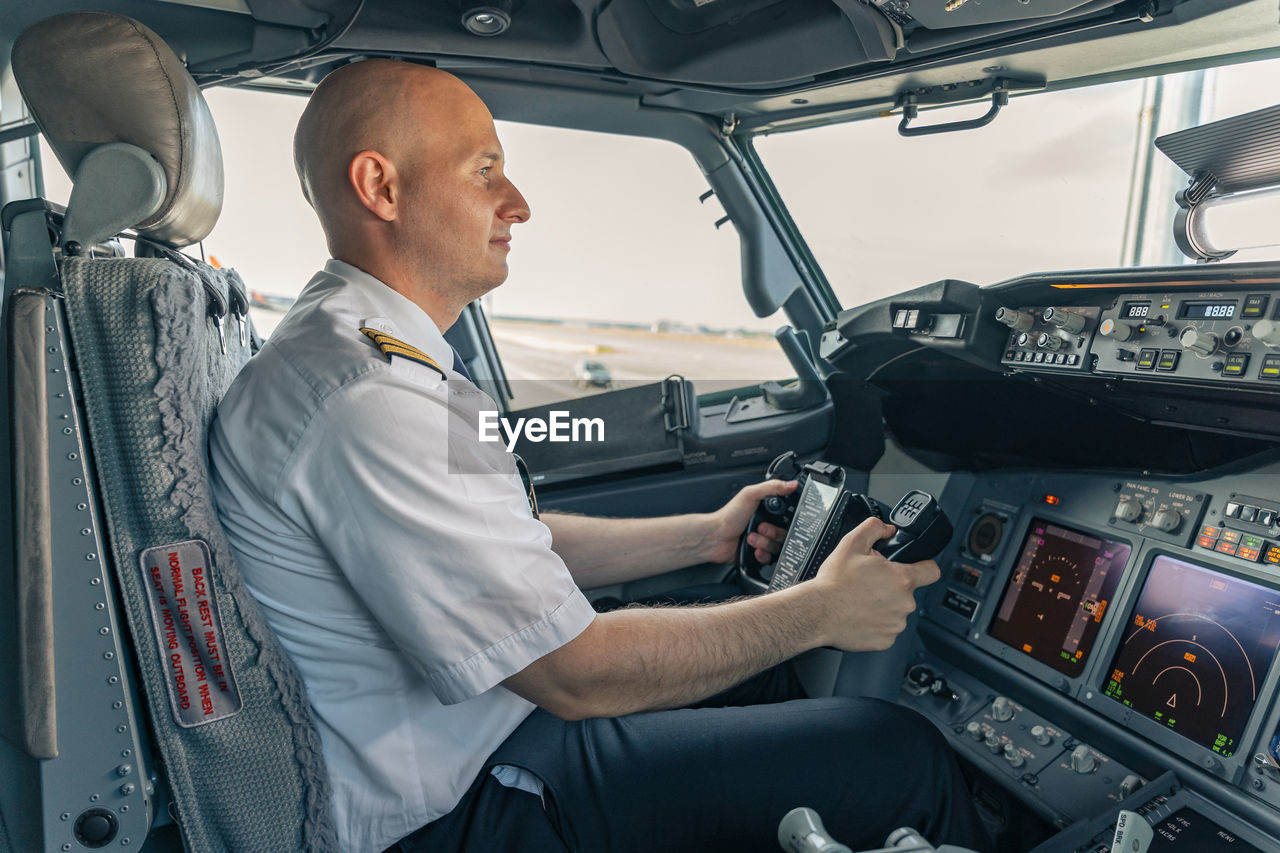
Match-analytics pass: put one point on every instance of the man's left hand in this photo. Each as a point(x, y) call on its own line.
point(728, 523)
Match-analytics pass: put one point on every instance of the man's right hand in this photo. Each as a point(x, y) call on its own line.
point(864, 599)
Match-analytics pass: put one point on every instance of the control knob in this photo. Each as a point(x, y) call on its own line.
point(1083, 760)
point(1013, 755)
point(1129, 784)
point(1019, 321)
point(974, 730)
point(1002, 709)
point(1128, 509)
point(1118, 330)
point(1023, 339)
point(994, 743)
point(1065, 320)
point(1166, 519)
point(1268, 332)
point(1041, 736)
point(1201, 343)
point(1049, 342)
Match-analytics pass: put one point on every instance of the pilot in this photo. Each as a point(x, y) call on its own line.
point(467, 695)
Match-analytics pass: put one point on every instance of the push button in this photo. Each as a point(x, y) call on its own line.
point(1210, 531)
point(1273, 555)
point(1232, 510)
point(1270, 366)
point(1232, 536)
point(1147, 360)
point(1225, 547)
point(1266, 517)
point(1251, 548)
point(1168, 359)
point(1248, 513)
point(1236, 364)
point(1255, 305)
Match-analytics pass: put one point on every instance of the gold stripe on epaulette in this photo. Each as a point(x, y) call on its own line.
point(394, 346)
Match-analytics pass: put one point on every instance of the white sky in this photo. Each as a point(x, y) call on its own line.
point(617, 232)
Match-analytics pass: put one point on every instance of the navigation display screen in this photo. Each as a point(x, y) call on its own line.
point(1195, 651)
point(1060, 589)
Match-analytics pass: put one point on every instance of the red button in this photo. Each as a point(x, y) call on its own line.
point(1250, 554)
point(1211, 531)
point(1231, 535)
point(1226, 547)
point(1207, 542)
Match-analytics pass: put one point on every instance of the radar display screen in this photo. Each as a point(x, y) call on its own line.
point(1195, 651)
point(1053, 605)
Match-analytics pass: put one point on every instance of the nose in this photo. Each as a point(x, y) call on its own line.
point(515, 208)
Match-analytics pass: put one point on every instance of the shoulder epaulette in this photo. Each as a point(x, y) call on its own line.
point(395, 347)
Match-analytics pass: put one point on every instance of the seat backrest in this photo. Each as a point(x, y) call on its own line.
point(149, 684)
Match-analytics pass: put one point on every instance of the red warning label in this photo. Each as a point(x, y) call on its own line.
point(184, 613)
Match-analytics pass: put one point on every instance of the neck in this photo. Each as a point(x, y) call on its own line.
point(441, 309)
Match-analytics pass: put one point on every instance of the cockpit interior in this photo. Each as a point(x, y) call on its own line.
point(1100, 651)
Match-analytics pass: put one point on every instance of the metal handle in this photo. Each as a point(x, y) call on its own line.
point(910, 110)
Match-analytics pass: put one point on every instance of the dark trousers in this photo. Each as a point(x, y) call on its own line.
point(708, 779)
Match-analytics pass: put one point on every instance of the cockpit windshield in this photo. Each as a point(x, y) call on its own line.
point(1060, 180)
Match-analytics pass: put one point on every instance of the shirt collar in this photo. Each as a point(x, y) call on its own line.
point(405, 319)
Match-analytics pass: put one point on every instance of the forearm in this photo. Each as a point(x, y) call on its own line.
point(603, 551)
point(645, 659)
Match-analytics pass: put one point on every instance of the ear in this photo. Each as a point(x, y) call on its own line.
point(376, 184)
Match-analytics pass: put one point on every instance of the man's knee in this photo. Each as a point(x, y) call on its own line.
point(874, 727)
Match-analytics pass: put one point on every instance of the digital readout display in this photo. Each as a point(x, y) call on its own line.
point(1060, 589)
point(1220, 310)
point(1195, 651)
point(1135, 310)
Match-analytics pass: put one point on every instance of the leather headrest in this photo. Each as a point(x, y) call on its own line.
point(93, 78)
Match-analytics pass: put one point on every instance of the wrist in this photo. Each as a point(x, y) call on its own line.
point(705, 537)
point(809, 604)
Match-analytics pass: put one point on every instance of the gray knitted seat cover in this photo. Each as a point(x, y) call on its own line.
point(153, 371)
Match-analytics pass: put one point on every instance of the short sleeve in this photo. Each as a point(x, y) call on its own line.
point(433, 531)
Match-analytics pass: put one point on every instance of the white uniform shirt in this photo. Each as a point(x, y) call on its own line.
point(393, 553)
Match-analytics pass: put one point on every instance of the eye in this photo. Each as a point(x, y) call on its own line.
point(484, 171)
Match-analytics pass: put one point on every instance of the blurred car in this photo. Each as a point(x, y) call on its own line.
point(592, 374)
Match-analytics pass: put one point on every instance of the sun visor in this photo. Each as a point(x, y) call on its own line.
point(741, 42)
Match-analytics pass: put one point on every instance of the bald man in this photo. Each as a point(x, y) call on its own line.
point(467, 695)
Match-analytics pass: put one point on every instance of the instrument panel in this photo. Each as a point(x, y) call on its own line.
point(1147, 630)
point(1209, 335)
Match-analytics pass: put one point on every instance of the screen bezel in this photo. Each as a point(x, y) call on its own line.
point(1020, 659)
point(1203, 757)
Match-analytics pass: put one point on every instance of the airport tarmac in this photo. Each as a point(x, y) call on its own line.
point(541, 358)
